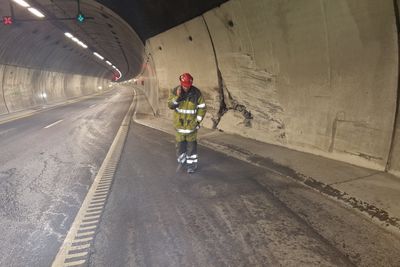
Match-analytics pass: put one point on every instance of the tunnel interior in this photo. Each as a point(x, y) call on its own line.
point(315, 76)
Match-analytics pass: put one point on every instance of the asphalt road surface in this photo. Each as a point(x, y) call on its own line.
point(229, 213)
point(47, 163)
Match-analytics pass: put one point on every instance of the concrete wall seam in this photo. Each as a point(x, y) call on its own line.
point(2, 90)
point(393, 163)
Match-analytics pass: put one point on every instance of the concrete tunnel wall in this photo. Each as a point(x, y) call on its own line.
point(23, 88)
point(318, 76)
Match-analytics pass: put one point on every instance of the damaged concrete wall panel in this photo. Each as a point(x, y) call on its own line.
point(317, 75)
point(321, 58)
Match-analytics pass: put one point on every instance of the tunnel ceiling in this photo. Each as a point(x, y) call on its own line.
point(151, 17)
point(116, 29)
point(41, 43)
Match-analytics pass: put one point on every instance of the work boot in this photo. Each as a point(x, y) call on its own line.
point(191, 168)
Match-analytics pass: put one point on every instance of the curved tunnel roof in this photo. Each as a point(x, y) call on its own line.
point(117, 35)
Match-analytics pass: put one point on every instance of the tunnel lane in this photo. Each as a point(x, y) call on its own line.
point(229, 213)
point(47, 163)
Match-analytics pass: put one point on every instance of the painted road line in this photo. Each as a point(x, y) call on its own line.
point(85, 234)
point(90, 217)
point(84, 239)
point(88, 223)
point(76, 255)
point(94, 209)
point(54, 123)
point(74, 263)
point(93, 212)
point(100, 198)
point(80, 247)
point(88, 228)
point(7, 131)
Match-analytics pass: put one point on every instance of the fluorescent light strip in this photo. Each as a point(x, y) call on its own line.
point(83, 44)
point(98, 55)
point(76, 40)
point(36, 12)
point(108, 62)
point(120, 74)
point(22, 3)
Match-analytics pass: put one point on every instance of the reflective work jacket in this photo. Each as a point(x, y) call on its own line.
point(189, 107)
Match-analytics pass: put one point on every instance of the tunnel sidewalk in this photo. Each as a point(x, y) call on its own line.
point(374, 193)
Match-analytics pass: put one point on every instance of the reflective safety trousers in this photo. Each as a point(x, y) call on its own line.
point(190, 109)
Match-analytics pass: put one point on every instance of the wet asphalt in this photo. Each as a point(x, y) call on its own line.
point(46, 172)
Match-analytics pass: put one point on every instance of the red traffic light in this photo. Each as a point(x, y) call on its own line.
point(7, 20)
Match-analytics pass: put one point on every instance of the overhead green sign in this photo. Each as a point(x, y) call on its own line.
point(80, 17)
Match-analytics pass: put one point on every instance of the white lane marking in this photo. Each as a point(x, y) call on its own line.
point(85, 234)
point(92, 106)
point(51, 125)
point(75, 263)
point(83, 239)
point(7, 131)
point(80, 247)
point(88, 228)
point(76, 255)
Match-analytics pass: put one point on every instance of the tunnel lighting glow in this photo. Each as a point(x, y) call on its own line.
point(36, 12)
point(100, 87)
point(76, 40)
point(98, 55)
point(108, 62)
point(69, 35)
point(82, 44)
point(114, 67)
point(120, 74)
point(22, 3)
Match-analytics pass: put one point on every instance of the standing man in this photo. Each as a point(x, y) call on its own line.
point(190, 110)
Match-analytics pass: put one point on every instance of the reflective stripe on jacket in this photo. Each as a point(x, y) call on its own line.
point(190, 109)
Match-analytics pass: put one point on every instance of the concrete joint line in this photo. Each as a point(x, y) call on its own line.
point(85, 220)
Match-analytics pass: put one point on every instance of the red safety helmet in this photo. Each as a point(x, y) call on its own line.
point(186, 80)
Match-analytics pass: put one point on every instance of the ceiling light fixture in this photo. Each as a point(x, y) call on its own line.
point(68, 35)
point(22, 3)
point(36, 12)
point(98, 55)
